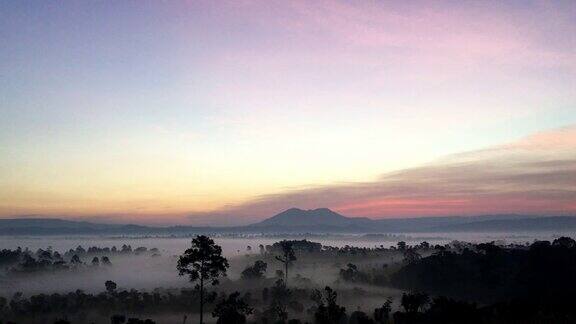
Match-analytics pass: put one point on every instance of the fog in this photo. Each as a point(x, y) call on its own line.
point(148, 271)
point(237, 245)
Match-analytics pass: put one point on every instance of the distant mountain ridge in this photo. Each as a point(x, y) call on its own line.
point(294, 220)
point(48, 223)
point(56, 226)
point(551, 223)
point(311, 217)
point(326, 220)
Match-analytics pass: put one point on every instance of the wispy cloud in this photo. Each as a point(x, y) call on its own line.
point(439, 33)
point(534, 175)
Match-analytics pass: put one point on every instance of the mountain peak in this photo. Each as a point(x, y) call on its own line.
point(301, 217)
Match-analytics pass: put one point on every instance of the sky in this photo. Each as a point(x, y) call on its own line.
point(227, 112)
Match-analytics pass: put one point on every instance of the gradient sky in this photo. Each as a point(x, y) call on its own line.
point(225, 112)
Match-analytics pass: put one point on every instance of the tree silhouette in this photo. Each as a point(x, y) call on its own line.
point(401, 245)
point(411, 256)
point(203, 263)
point(75, 260)
point(413, 302)
point(564, 241)
point(382, 314)
point(232, 310)
point(256, 271)
point(359, 317)
point(105, 260)
point(280, 296)
point(328, 311)
point(126, 248)
point(287, 257)
point(351, 273)
point(110, 286)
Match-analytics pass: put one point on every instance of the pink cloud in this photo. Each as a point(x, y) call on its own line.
point(561, 139)
point(332, 31)
point(535, 175)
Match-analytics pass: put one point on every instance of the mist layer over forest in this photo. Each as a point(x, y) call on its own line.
point(93, 279)
point(132, 271)
point(147, 272)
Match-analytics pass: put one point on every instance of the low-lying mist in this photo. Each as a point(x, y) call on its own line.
point(364, 271)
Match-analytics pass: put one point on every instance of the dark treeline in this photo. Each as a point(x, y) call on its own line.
point(27, 261)
point(453, 283)
point(109, 302)
point(490, 272)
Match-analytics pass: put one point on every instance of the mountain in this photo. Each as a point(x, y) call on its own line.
point(311, 217)
point(47, 223)
point(294, 220)
point(55, 226)
point(323, 220)
point(551, 223)
point(440, 224)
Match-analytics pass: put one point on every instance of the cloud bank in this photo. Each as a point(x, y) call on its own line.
point(534, 175)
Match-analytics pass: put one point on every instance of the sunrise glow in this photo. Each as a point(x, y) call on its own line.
point(226, 112)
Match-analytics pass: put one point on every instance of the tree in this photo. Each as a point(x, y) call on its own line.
point(425, 245)
point(232, 310)
point(280, 296)
point(328, 311)
point(351, 273)
point(106, 261)
point(414, 302)
point(110, 286)
point(203, 263)
point(256, 271)
point(359, 317)
point(80, 249)
point(564, 241)
point(75, 260)
point(95, 262)
point(126, 248)
point(287, 257)
point(401, 245)
point(411, 256)
point(44, 255)
point(382, 314)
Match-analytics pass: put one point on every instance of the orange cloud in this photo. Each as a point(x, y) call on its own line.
point(535, 175)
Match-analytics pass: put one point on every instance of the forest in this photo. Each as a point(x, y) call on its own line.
point(457, 282)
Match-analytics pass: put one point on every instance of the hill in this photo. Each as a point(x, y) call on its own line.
point(551, 223)
point(55, 226)
point(294, 220)
point(311, 217)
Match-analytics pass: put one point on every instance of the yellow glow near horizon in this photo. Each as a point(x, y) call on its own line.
point(121, 109)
